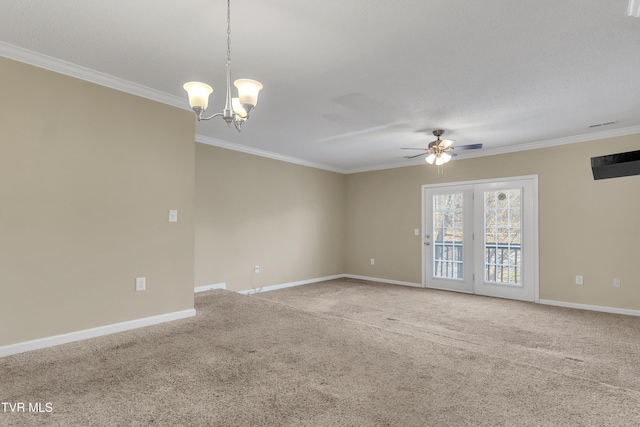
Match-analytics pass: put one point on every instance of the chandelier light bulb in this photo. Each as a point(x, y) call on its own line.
point(430, 158)
point(446, 157)
point(237, 108)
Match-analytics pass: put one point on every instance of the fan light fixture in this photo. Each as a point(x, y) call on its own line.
point(438, 158)
point(236, 110)
point(438, 150)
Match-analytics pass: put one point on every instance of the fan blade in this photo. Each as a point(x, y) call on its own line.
point(424, 149)
point(417, 155)
point(468, 147)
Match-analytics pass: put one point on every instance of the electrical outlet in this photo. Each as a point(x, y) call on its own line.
point(141, 284)
point(173, 215)
point(579, 280)
point(256, 269)
point(616, 283)
point(373, 261)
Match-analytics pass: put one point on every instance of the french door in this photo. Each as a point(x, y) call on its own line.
point(448, 238)
point(481, 238)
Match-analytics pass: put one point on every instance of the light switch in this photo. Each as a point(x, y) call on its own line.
point(173, 216)
point(416, 232)
point(141, 283)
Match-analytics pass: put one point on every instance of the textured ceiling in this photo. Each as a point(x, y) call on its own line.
point(348, 83)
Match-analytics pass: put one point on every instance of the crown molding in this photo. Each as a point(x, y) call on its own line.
point(263, 153)
point(63, 67)
point(603, 134)
point(67, 68)
point(514, 148)
point(396, 164)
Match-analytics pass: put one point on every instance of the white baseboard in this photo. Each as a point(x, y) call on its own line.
point(322, 279)
point(419, 285)
point(391, 282)
point(210, 287)
point(604, 309)
point(290, 284)
point(94, 332)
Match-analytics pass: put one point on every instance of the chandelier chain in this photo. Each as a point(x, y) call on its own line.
point(228, 32)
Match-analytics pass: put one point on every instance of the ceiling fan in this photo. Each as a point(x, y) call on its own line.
point(440, 151)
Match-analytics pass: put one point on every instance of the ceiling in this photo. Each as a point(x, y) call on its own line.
point(348, 83)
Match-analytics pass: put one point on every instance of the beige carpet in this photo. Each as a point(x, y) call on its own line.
point(342, 353)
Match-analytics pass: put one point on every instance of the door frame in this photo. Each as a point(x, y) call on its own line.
point(532, 246)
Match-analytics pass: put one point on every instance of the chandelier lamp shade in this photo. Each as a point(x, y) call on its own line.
point(236, 110)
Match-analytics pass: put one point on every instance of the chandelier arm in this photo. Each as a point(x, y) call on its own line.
point(211, 117)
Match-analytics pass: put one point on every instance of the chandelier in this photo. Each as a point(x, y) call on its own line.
point(236, 110)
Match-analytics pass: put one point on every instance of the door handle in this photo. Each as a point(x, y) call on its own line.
point(427, 243)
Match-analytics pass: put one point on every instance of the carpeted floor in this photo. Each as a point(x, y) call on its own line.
point(342, 353)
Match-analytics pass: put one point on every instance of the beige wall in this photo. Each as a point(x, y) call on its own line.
point(587, 227)
point(250, 210)
point(87, 176)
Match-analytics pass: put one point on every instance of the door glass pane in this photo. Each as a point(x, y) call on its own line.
point(447, 236)
point(502, 225)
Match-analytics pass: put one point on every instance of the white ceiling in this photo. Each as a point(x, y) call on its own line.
point(347, 83)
